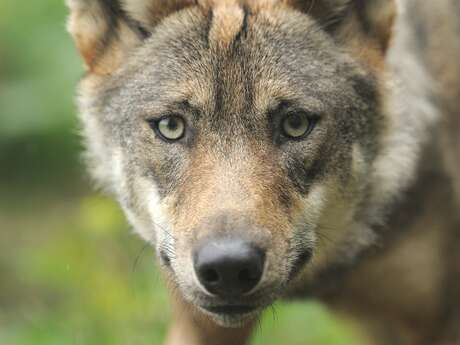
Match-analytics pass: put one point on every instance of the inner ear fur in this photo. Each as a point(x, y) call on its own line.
point(106, 31)
point(364, 26)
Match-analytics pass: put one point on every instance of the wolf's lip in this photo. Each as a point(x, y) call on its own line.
point(230, 309)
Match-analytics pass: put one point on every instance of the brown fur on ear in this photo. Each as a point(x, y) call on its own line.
point(378, 17)
point(106, 31)
point(364, 26)
point(324, 11)
point(151, 12)
point(373, 17)
point(102, 33)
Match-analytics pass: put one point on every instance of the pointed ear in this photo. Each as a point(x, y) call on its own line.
point(365, 26)
point(374, 18)
point(150, 12)
point(106, 31)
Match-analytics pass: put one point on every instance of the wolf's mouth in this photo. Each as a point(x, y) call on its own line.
point(230, 309)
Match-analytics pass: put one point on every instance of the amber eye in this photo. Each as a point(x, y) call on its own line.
point(296, 125)
point(171, 127)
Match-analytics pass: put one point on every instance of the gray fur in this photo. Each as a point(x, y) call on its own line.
point(348, 175)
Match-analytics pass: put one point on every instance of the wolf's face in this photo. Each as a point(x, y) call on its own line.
point(239, 140)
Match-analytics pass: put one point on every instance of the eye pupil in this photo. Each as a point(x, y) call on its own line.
point(170, 127)
point(172, 124)
point(296, 125)
point(295, 121)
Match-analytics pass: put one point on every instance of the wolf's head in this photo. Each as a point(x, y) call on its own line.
point(246, 140)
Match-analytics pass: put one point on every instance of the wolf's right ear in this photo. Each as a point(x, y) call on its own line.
point(106, 31)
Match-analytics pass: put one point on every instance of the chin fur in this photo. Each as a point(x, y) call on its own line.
point(232, 321)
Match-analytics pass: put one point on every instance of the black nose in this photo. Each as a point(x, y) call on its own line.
point(229, 267)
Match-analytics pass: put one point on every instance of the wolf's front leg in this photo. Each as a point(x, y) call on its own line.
point(190, 327)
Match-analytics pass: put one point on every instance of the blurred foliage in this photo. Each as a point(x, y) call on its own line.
point(38, 72)
point(39, 68)
point(71, 271)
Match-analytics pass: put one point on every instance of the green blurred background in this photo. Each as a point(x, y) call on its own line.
point(71, 270)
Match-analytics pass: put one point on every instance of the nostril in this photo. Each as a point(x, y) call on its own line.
point(165, 258)
point(210, 275)
point(246, 275)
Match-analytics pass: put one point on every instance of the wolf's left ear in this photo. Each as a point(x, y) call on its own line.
point(365, 26)
point(106, 31)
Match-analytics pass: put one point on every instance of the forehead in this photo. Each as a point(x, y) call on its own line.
point(230, 58)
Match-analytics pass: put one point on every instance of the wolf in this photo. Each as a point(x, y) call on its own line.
point(276, 149)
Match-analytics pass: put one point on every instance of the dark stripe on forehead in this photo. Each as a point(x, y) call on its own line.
point(218, 90)
point(244, 27)
point(209, 19)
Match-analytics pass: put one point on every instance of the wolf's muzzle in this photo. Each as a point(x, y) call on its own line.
point(228, 267)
